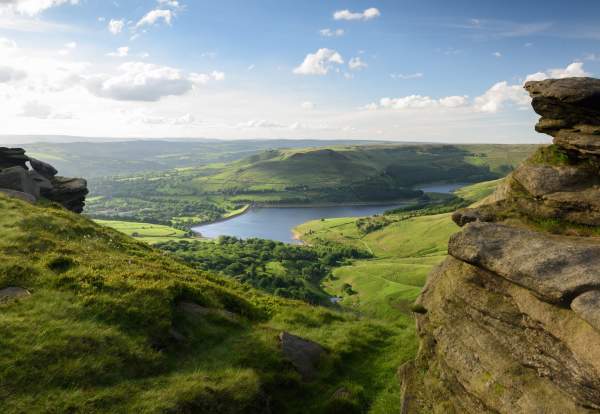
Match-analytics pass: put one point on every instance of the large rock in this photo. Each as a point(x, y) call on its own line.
point(540, 180)
point(571, 100)
point(70, 192)
point(586, 144)
point(510, 323)
point(490, 346)
point(554, 268)
point(12, 157)
point(302, 353)
point(44, 169)
point(19, 179)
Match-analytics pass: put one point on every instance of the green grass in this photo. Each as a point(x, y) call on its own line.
point(478, 191)
point(405, 252)
point(95, 334)
point(146, 232)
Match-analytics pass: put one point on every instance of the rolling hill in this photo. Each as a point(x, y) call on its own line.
point(339, 174)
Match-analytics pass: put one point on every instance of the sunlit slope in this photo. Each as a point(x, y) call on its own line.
point(103, 331)
point(405, 252)
point(395, 165)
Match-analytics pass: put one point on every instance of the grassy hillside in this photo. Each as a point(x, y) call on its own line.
point(341, 174)
point(146, 232)
point(405, 245)
point(103, 331)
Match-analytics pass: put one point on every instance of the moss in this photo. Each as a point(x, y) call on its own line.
point(552, 155)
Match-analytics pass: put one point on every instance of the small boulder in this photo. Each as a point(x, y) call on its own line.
point(43, 168)
point(302, 353)
point(13, 292)
point(465, 216)
point(18, 194)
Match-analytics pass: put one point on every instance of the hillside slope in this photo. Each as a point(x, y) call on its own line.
point(93, 321)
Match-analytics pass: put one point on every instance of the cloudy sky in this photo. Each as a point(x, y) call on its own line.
point(404, 70)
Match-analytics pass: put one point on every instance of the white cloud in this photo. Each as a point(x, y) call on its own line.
point(331, 33)
point(497, 54)
point(67, 48)
point(139, 81)
point(155, 15)
point(116, 26)
point(575, 69)
point(9, 74)
point(262, 123)
point(356, 63)
point(307, 105)
point(35, 109)
point(200, 79)
point(120, 52)
point(406, 76)
point(319, 63)
point(368, 14)
point(418, 102)
point(169, 3)
point(32, 7)
point(218, 76)
point(500, 94)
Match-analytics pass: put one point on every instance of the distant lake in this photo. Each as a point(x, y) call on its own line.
point(277, 223)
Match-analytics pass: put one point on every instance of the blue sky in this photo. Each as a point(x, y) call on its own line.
point(446, 71)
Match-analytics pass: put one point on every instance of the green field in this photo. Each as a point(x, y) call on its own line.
point(146, 232)
point(405, 251)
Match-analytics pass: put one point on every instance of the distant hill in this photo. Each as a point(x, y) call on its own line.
point(93, 157)
point(333, 174)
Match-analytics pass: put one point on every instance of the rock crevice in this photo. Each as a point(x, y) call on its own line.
point(512, 321)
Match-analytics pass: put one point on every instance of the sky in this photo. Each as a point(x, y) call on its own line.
point(400, 70)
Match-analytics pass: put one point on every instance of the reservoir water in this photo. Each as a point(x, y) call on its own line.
point(277, 223)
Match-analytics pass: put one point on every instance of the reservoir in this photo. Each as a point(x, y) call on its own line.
point(277, 223)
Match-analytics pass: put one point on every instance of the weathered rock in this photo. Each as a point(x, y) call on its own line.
point(18, 179)
point(465, 216)
point(554, 268)
point(70, 192)
point(572, 100)
point(588, 144)
point(540, 180)
point(19, 194)
point(43, 168)
point(302, 353)
point(587, 306)
point(512, 321)
point(13, 293)
point(12, 157)
point(42, 182)
point(490, 346)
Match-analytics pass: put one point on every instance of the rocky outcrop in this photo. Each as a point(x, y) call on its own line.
point(40, 181)
point(510, 322)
